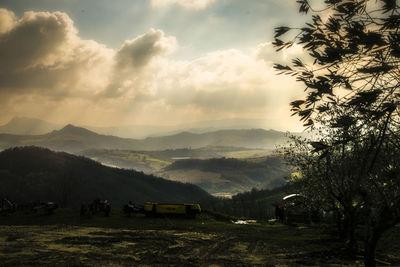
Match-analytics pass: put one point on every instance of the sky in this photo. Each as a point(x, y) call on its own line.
point(146, 62)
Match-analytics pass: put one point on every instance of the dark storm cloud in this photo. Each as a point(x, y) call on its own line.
point(41, 51)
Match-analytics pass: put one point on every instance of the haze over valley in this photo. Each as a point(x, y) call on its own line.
point(229, 161)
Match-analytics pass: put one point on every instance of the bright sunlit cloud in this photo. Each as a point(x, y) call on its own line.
point(49, 71)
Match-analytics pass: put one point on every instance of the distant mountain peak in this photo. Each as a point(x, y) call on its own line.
point(70, 126)
point(72, 129)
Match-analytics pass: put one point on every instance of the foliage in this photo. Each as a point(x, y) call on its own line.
point(223, 163)
point(341, 180)
point(255, 204)
point(355, 50)
point(352, 99)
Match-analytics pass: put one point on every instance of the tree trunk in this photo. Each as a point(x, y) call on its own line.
point(369, 248)
point(349, 228)
point(340, 224)
point(352, 242)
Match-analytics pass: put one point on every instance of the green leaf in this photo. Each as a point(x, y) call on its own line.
point(384, 68)
point(304, 6)
point(343, 122)
point(365, 98)
point(280, 31)
point(297, 103)
point(297, 62)
point(318, 146)
point(305, 114)
point(388, 5)
point(310, 122)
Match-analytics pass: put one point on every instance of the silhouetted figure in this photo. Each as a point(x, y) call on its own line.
point(96, 206)
point(106, 208)
point(47, 207)
point(131, 208)
point(84, 209)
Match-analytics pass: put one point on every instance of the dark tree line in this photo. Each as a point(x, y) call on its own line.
point(255, 204)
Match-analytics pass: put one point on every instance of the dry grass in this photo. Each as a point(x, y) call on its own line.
point(33, 240)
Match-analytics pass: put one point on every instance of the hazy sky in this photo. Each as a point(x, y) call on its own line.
point(103, 62)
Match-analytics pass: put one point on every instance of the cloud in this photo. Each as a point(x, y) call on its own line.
point(7, 20)
point(138, 52)
point(190, 4)
point(286, 3)
point(133, 57)
point(46, 35)
point(45, 61)
point(268, 53)
point(222, 83)
point(41, 51)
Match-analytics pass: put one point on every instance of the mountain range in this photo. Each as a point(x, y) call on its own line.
point(25, 125)
point(75, 139)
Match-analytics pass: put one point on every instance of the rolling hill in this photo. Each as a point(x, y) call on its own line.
point(229, 176)
point(69, 139)
point(29, 174)
point(75, 139)
point(218, 170)
point(155, 161)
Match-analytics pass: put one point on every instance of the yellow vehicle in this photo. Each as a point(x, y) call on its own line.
point(186, 209)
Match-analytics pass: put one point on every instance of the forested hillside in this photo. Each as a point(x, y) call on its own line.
point(254, 204)
point(229, 175)
point(30, 174)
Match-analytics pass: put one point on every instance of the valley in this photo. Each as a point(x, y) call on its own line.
point(246, 154)
point(217, 170)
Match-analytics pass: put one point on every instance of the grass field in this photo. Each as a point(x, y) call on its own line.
point(66, 239)
point(154, 161)
point(244, 154)
point(140, 161)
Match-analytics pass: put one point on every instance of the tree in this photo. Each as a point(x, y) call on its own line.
point(355, 52)
point(336, 179)
point(352, 98)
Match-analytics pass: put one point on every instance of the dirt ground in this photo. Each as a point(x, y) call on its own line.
point(140, 241)
point(86, 246)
